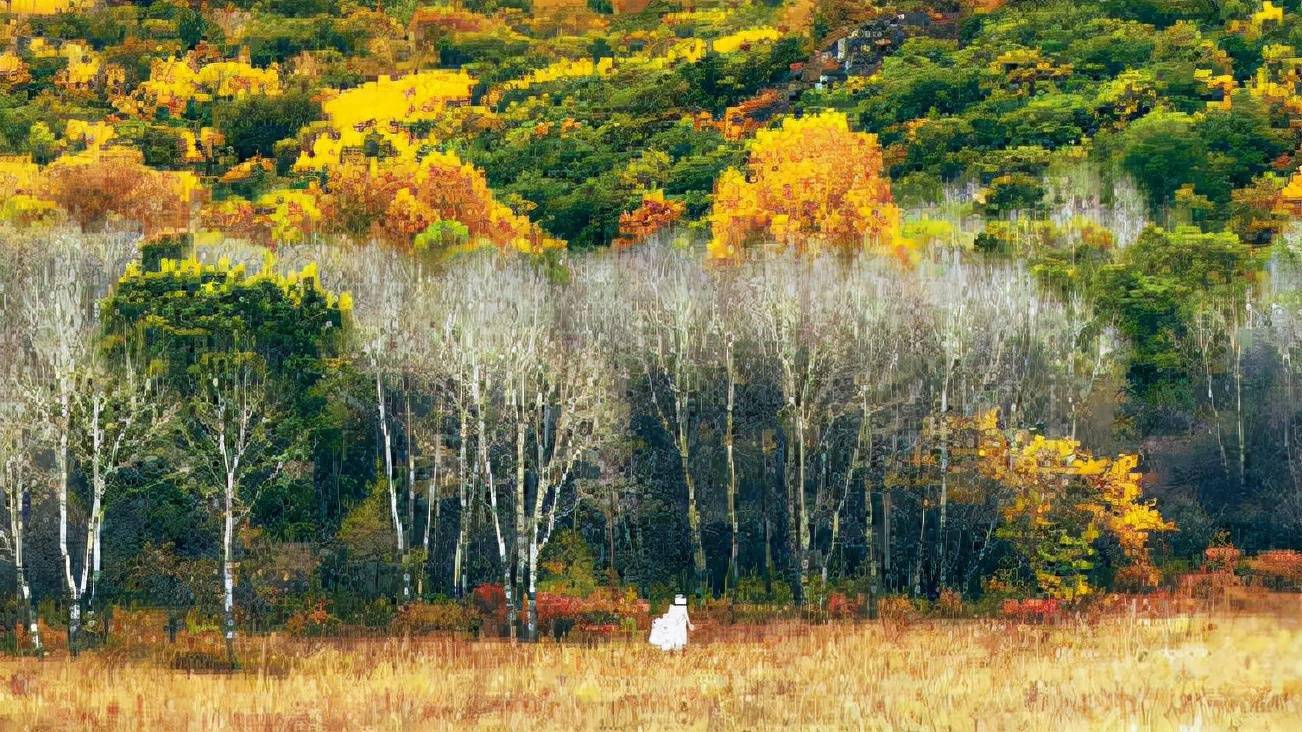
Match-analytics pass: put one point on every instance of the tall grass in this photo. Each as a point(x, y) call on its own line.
point(1119, 672)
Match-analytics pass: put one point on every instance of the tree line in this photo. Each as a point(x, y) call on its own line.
point(176, 429)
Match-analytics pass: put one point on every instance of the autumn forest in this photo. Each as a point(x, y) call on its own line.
point(449, 323)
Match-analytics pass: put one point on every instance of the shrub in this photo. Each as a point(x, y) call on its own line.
point(896, 610)
point(1206, 585)
point(1278, 568)
point(1221, 558)
point(314, 620)
point(841, 607)
point(1040, 610)
point(422, 617)
point(949, 604)
point(93, 186)
point(1137, 577)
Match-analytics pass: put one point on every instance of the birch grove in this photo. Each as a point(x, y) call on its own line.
point(780, 426)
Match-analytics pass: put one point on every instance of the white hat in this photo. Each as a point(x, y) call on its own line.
point(680, 600)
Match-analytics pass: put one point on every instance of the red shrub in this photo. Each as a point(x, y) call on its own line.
point(1032, 609)
point(840, 606)
point(490, 600)
point(1278, 568)
point(1221, 558)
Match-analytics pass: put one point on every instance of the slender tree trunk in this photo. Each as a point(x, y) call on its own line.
point(1237, 345)
point(917, 564)
point(228, 570)
point(887, 538)
point(393, 490)
point(942, 522)
point(463, 518)
point(74, 597)
point(410, 538)
point(870, 545)
point(512, 615)
point(433, 504)
point(612, 513)
point(18, 528)
point(802, 507)
point(793, 521)
point(869, 535)
point(733, 570)
point(693, 513)
point(522, 550)
point(768, 530)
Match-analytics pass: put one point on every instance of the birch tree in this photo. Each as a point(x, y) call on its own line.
point(60, 304)
point(17, 474)
point(382, 290)
point(234, 445)
point(118, 413)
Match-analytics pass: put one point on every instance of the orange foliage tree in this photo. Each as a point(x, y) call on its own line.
point(98, 184)
point(395, 199)
point(810, 183)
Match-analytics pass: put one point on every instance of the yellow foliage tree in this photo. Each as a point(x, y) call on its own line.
point(1060, 499)
point(812, 182)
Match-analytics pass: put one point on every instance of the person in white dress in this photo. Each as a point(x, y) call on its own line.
point(669, 631)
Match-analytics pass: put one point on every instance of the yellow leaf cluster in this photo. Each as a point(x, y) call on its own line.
point(45, 7)
point(564, 69)
point(743, 39)
point(173, 82)
point(1224, 83)
point(18, 175)
point(1290, 199)
point(701, 16)
point(82, 69)
point(381, 107)
point(1278, 80)
point(89, 135)
point(13, 70)
point(1269, 13)
point(810, 183)
point(1056, 498)
point(246, 169)
point(292, 214)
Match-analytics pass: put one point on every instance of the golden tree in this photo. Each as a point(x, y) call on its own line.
point(394, 199)
point(1060, 500)
point(810, 183)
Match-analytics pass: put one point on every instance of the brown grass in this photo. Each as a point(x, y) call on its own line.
point(1218, 671)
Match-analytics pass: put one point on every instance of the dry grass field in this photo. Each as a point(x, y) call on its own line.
point(1187, 672)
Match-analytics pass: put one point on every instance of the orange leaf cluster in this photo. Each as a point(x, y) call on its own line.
point(810, 183)
point(393, 200)
point(641, 223)
point(745, 118)
point(116, 182)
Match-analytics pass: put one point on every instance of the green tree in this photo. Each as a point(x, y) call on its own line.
point(1163, 151)
point(254, 124)
point(1155, 289)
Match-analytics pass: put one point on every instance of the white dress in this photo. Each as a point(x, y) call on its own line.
point(669, 631)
